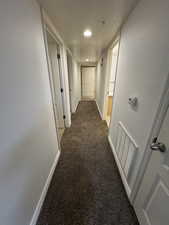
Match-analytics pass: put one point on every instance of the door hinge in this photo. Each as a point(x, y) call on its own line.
point(58, 56)
point(64, 117)
point(61, 89)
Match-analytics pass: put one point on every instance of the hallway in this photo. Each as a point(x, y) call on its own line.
point(86, 188)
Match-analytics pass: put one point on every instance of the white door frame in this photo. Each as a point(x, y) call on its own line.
point(160, 115)
point(46, 22)
point(47, 29)
point(51, 82)
point(108, 71)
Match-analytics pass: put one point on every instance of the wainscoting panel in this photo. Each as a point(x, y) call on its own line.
point(125, 151)
point(126, 148)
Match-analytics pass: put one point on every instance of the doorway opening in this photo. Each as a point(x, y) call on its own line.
point(88, 76)
point(111, 81)
point(54, 66)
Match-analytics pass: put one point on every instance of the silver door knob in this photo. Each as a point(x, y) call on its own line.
point(158, 146)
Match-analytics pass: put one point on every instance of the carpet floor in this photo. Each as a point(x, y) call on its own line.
point(86, 188)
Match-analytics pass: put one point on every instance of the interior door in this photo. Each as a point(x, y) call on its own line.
point(53, 54)
point(152, 201)
point(88, 83)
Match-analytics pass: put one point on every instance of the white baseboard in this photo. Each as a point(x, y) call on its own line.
point(44, 192)
point(76, 106)
point(124, 180)
point(74, 110)
point(99, 110)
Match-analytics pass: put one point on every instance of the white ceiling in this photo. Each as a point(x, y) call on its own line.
point(72, 17)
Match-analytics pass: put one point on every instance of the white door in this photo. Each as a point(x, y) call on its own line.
point(88, 83)
point(53, 53)
point(152, 201)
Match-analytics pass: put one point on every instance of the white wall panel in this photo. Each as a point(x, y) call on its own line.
point(76, 85)
point(101, 82)
point(28, 142)
point(126, 148)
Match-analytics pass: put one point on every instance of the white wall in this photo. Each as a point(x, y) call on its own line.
point(98, 77)
point(74, 82)
point(142, 71)
point(101, 73)
point(70, 76)
point(76, 86)
point(79, 81)
point(28, 143)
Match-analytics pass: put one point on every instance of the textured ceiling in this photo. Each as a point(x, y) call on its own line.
point(72, 17)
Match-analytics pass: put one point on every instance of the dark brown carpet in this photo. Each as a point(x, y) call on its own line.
point(86, 188)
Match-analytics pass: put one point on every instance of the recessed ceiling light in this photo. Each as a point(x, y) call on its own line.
point(87, 33)
point(87, 60)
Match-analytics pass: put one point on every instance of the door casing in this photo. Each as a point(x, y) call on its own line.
point(108, 74)
point(45, 30)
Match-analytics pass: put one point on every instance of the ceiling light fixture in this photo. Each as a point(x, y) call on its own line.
point(87, 60)
point(87, 33)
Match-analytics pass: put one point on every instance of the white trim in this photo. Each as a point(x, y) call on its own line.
point(47, 23)
point(127, 188)
point(76, 107)
point(128, 134)
point(108, 73)
point(44, 192)
point(99, 110)
point(49, 75)
point(107, 76)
